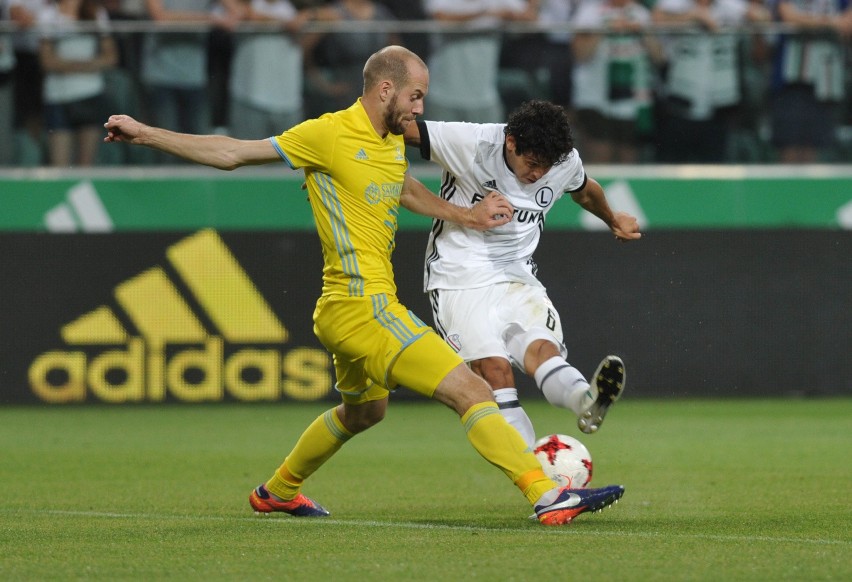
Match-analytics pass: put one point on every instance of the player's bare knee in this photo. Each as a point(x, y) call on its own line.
point(538, 352)
point(356, 424)
point(358, 418)
point(496, 371)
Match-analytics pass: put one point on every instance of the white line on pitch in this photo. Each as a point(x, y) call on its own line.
point(299, 522)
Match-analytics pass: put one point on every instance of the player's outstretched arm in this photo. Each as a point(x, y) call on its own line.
point(218, 151)
point(490, 212)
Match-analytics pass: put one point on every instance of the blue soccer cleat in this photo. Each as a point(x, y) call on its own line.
point(572, 502)
point(263, 502)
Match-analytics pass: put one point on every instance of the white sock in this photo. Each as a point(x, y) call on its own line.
point(563, 385)
point(514, 413)
point(548, 497)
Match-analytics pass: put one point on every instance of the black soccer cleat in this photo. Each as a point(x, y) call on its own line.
point(608, 383)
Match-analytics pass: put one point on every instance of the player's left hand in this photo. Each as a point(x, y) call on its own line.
point(625, 227)
point(492, 211)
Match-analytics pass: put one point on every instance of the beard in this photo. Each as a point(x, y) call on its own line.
point(394, 120)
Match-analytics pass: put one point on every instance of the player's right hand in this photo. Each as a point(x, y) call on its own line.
point(122, 128)
point(492, 211)
point(625, 227)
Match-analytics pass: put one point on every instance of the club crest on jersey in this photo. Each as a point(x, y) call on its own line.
point(455, 341)
point(544, 196)
point(490, 184)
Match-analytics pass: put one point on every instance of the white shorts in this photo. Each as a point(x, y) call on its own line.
point(501, 320)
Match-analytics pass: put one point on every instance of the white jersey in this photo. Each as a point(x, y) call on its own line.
point(474, 164)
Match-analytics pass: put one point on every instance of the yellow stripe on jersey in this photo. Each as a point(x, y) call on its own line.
point(342, 241)
point(393, 324)
point(354, 179)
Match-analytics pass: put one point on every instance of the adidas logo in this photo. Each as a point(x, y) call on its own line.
point(83, 210)
point(490, 185)
point(168, 350)
point(362, 155)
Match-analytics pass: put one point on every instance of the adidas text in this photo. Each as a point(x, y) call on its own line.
point(192, 334)
point(204, 374)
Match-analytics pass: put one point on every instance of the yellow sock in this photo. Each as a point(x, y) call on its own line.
point(318, 443)
point(501, 445)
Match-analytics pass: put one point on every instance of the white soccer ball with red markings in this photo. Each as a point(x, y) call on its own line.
point(565, 460)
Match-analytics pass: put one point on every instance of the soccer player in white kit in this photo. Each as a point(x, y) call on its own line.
point(486, 300)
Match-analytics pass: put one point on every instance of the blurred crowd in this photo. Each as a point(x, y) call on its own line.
point(657, 81)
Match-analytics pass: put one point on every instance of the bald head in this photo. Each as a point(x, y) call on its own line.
point(392, 63)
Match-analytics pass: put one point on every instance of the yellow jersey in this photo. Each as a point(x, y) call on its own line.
point(354, 179)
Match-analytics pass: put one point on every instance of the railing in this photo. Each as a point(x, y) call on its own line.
point(748, 123)
point(398, 26)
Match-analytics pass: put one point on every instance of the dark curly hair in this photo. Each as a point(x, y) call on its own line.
point(541, 130)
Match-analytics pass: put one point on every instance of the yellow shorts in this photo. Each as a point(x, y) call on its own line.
point(378, 344)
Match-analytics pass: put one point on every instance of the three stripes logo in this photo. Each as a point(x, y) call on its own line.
point(83, 210)
point(194, 340)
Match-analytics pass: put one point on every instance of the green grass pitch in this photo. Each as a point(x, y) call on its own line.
point(722, 490)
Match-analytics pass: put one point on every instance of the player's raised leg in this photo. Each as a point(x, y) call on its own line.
point(607, 385)
point(562, 384)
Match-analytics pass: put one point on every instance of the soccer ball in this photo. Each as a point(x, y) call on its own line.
point(565, 460)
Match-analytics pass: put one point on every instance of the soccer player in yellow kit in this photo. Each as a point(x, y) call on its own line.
point(356, 176)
